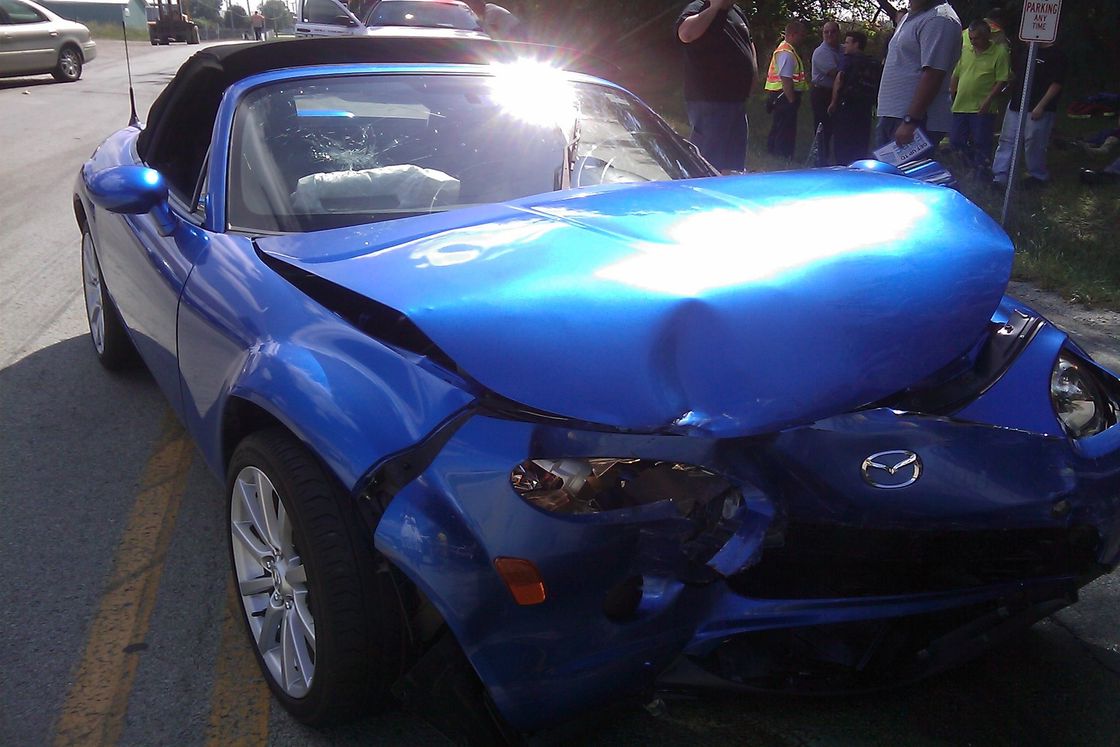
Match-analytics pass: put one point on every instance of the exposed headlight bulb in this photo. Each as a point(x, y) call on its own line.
point(583, 486)
point(1078, 400)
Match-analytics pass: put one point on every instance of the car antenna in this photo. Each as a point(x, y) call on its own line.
point(133, 120)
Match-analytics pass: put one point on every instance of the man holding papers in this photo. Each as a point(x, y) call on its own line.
point(914, 93)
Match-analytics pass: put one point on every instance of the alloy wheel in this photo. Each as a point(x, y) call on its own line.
point(69, 64)
point(272, 582)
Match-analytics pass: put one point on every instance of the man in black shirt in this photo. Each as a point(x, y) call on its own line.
point(854, 92)
point(720, 68)
point(1049, 76)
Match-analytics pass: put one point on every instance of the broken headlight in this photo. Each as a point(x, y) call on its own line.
point(1082, 405)
point(587, 486)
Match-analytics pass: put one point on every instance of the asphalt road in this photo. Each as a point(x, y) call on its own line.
point(115, 624)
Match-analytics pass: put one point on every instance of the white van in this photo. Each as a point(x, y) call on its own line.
point(394, 17)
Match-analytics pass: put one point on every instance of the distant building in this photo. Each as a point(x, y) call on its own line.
point(92, 11)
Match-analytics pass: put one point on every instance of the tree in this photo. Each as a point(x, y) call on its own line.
point(235, 17)
point(209, 10)
point(278, 15)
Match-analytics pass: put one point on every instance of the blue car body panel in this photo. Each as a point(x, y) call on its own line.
point(680, 322)
point(689, 296)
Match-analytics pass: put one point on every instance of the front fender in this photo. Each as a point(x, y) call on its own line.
point(246, 334)
point(348, 415)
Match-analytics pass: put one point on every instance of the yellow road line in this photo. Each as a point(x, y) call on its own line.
point(239, 703)
point(94, 711)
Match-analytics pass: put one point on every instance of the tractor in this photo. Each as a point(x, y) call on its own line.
point(168, 21)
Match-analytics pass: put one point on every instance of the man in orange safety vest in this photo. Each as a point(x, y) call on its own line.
point(785, 83)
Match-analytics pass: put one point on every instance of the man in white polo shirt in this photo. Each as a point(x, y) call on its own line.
point(826, 63)
point(914, 92)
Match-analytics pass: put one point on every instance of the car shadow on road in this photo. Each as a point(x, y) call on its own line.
point(75, 440)
point(28, 82)
point(1044, 687)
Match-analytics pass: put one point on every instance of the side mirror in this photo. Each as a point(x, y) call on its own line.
point(132, 190)
point(345, 21)
point(870, 164)
point(924, 170)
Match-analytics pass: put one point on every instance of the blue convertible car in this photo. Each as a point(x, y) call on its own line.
point(522, 410)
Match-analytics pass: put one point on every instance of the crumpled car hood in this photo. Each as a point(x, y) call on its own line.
point(729, 306)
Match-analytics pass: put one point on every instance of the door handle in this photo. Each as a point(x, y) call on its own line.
point(54, 33)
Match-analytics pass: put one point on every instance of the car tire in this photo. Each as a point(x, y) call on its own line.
point(69, 67)
point(106, 330)
point(320, 604)
point(193, 38)
point(154, 41)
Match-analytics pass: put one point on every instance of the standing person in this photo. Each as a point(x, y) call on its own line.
point(915, 88)
point(980, 76)
point(826, 63)
point(257, 22)
point(994, 19)
point(785, 82)
point(853, 96)
point(719, 71)
point(1049, 77)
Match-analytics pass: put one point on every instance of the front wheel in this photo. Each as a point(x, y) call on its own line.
point(319, 602)
point(69, 67)
point(193, 38)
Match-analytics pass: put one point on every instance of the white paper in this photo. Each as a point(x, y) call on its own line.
point(895, 154)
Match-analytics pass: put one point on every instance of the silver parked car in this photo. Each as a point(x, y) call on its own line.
point(34, 40)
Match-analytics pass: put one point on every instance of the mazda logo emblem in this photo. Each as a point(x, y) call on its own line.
point(891, 470)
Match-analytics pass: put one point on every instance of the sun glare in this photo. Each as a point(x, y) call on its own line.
point(536, 93)
point(721, 248)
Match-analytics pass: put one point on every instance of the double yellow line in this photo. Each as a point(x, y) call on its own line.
point(95, 707)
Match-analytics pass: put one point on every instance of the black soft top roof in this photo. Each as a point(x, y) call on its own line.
point(183, 115)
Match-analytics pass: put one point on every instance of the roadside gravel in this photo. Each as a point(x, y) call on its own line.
point(1096, 330)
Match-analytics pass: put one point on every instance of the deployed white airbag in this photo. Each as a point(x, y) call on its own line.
point(400, 187)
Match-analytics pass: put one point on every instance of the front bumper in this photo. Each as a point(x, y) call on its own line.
point(89, 50)
point(1026, 519)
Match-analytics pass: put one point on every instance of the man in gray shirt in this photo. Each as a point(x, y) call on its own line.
point(914, 92)
point(826, 62)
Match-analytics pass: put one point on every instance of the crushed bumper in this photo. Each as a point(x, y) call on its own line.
point(628, 610)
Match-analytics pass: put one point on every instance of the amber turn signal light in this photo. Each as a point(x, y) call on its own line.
point(523, 579)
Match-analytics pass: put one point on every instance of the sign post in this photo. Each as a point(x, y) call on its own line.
point(1039, 26)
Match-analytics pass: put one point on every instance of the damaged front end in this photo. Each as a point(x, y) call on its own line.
point(826, 468)
point(607, 564)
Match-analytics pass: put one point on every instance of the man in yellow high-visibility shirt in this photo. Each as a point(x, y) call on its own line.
point(785, 83)
point(980, 75)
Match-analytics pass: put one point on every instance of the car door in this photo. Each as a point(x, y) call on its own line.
point(327, 18)
point(28, 39)
point(146, 272)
